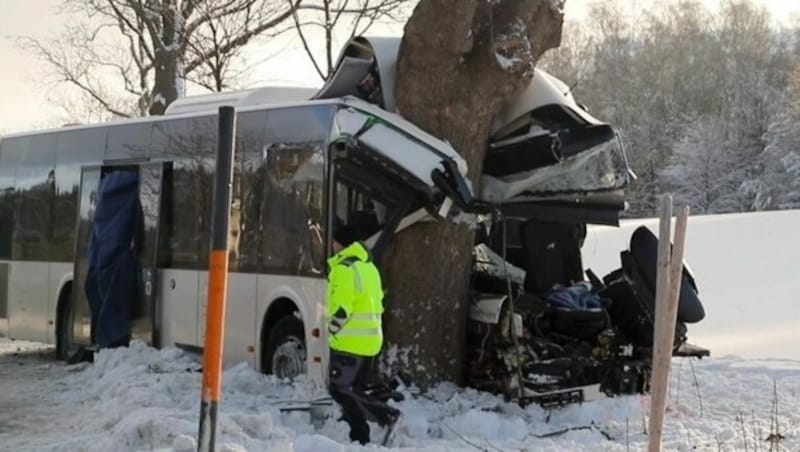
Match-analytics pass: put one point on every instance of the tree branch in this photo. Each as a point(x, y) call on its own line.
point(328, 39)
point(306, 47)
point(66, 73)
point(188, 8)
point(145, 15)
point(313, 7)
point(243, 38)
point(225, 9)
point(339, 12)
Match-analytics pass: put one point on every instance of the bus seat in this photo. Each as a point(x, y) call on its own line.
point(641, 263)
point(553, 254)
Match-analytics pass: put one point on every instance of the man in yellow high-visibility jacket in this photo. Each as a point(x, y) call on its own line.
point(355, 335)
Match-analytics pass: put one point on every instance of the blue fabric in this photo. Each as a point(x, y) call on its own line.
point(112, 279)
point(578, 296)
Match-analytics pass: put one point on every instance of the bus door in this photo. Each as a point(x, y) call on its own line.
point(147, 318)
point(79, 316)
point(116, 256)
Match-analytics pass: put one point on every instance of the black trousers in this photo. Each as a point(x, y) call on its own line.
point(348, 378)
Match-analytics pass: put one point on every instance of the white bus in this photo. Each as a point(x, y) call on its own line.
point(304, 159)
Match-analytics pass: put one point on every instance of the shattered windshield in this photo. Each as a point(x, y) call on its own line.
point(600, 168)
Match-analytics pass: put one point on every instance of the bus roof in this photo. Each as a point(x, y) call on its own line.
point(210, 109)
point(248, 97)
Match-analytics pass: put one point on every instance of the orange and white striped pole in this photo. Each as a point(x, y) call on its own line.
point(217, 281)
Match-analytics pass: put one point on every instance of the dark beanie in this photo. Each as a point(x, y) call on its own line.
point(346, 234)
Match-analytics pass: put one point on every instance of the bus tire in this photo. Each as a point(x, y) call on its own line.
point(66, 349)
point(286, 348)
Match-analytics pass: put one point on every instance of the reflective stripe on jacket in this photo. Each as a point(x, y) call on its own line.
point(355, 302)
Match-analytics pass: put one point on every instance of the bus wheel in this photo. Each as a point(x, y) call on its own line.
point(286, 348)
point(66, 348)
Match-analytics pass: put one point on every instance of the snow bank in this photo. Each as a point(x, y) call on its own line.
point(145, 399)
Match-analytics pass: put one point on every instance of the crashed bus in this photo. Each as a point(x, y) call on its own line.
point(538, 330)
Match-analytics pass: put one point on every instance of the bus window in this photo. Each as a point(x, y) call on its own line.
point(204, 146)
point(76, 148)
point(35, 183)
point(184, 201)
point(292, 213)
point(299, 124)
point(129, 141)
point(356, 208)
point(246, 198)
point(9, 156)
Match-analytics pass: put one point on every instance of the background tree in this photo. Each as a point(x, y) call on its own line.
point(778, 184)
point(653, 75)
point(701, 172)
point(456, 68)
point(133, 57)
point(146, 49)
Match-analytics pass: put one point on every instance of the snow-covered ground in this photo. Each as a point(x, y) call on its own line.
point(144, 399)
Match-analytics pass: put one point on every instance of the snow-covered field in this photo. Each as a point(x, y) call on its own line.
point(144, 399)
point(747, 268)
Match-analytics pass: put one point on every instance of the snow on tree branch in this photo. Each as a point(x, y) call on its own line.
point(517, 35)
point(557, 6)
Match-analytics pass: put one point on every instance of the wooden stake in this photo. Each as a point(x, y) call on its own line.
point(676, 273)
point(668, 283)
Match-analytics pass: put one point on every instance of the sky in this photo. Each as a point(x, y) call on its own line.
point(24, 93)
point(22, 99)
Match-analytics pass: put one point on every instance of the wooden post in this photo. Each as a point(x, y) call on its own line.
point(657, 382)
point(668, 283)
point(217, 281)
point(676, 273)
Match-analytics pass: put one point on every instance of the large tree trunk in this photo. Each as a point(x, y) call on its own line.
point(459, 63)
point(168, 66)
point(165, 87)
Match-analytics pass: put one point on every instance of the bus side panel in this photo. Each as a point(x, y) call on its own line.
point(240, 307)
point(60, 272)
point(178, 304)
point(202, 307)
point(309, 296)
point(241, 335)
point(5, 270)
point(28, 300)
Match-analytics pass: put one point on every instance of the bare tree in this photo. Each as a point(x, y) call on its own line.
point(704, 172)
point(456, 68)
point(216, 63)
point(655, 75)
point(778, 184)
point(133, 57)
point(146, 49)
point(322, 18)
